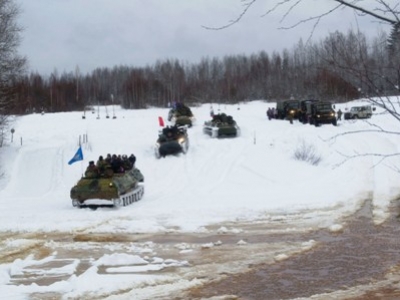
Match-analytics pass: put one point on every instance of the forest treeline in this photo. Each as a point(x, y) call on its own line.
point(338, 68)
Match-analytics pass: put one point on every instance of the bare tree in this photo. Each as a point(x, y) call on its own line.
point(11, 64)
point(377, 76)
point(384, 11)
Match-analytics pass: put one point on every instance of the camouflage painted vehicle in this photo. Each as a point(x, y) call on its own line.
point(181, 115)
point(119, 189)
point(172, 140)
point(221, 125)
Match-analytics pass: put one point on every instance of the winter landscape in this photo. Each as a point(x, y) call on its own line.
point(218, 190)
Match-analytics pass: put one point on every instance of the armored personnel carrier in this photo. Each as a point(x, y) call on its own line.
point(181, 115)
point(172, 140)
point(221, 125)
point(115, 189)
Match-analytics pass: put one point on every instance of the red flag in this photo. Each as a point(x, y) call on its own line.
point(161, 121)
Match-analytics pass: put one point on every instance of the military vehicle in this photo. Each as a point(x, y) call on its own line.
point(172, 140)
point(288, 109)
point(321, 112)
point(181, 115)
point(359, 112)
point(221, 125)
point(305, 110)
point(115, 189)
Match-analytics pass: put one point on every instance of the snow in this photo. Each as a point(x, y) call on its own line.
point(249, 178)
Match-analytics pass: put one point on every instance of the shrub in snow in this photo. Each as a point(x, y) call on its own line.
point(307, 152)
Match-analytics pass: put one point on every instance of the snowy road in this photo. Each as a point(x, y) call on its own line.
point(227, 207)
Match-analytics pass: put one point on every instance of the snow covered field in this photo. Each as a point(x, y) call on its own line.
point(249, 178)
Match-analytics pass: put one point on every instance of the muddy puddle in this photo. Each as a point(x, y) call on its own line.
point(260, 261)
point(353, 260)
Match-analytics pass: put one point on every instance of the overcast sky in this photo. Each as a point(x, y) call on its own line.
point(63, 34)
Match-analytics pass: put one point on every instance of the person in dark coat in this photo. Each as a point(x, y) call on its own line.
point(339, 114)
point(269, 113)
point(92, 171)
point(132, 159)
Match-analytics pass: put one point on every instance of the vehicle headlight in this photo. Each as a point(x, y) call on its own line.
point(181, 140)
point(332, 114)
point(110, 184)
point(318, 116)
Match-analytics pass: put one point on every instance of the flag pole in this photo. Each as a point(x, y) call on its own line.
point(80, 146)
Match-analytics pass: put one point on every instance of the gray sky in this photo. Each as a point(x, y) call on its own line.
point(63, 34)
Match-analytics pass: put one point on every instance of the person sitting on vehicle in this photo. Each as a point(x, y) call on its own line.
point(117, 164)
point(174, 131)
point(92, 171)
point(126, 164)
point(132, 160)
point(106, 165)
point(101, 165)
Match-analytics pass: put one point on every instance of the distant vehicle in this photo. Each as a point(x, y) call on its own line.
point(117, 189)
point(305, 110)
point(181, 115)
point(221, 125)
point(322, 112)
point(288, 109)
point(359, 112)
point(172, 140)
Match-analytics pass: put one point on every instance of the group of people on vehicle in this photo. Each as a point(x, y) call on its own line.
point(110, 165)
point(179, 109)
point(222, 118)
point(169, 133)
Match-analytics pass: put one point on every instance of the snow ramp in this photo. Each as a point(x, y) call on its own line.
point(36, 171)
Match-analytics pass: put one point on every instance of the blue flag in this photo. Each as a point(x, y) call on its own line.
point(77, 157)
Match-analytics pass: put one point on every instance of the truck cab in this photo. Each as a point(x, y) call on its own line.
point(288, 109)
point(322, 112)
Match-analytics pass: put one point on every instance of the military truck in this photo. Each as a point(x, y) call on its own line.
point(305, 110)
point(288, 109)
point(322, 112)
point(359, 112)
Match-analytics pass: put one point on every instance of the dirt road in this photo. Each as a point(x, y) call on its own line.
point(268, 259)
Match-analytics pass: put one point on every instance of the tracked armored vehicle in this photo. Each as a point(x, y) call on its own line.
point(221, 125)
point(181, 115)
point(172, 140)
point(117, 189)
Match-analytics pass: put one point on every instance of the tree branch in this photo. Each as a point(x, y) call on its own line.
point(367, 12)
